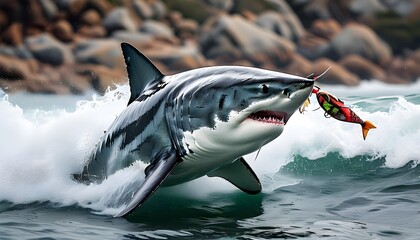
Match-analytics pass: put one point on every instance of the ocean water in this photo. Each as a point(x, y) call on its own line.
point(320, 178)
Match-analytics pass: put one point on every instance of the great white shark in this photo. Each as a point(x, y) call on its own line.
point(195, 123)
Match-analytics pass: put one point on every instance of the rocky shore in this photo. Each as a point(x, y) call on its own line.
point(70, 46)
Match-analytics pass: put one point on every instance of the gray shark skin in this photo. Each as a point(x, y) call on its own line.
point(195, 123)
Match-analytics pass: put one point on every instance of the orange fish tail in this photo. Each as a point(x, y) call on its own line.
point(366, 126)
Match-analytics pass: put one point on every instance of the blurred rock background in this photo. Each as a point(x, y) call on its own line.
point(70, 46)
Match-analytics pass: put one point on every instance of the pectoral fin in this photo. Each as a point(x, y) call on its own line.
point(240, 174)
point(155, 175)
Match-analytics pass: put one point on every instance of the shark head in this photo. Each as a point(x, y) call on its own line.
point(240, 108)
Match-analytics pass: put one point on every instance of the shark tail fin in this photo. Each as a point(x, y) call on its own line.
point(141, 71)
point(366, 126)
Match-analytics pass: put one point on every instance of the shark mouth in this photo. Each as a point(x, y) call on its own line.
point(267, 116)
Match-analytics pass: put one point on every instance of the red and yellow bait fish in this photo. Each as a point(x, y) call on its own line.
point(335, 108)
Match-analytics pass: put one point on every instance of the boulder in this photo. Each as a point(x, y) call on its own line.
point(360, 40)
point(186, 29)
point(336, 75)
point(105, 52)
point(368, 8)
point(47, 49)
point(91, 18)
point(362, 67)
point(142, 9)
point(286, 25)
point(299, 66)
point(276, 23)
point(119, 19)
point(4, 20)
point(34, 12)
point(42, 84)
point(16, 52)
point(176, 58)
point(49, 8)
point(291, 18)
point(12, 69)
point(224, 5)
point(97, 31)
point(13, 34)
point(236, 38)
point(407, 68)
point(157, 29)
point(139, 40)
point(77, 7)
point(325, 28)
point(63, 31)
point(101, 77)
point(76, 83)
point(403, 8)
point(159, 9)
point(317, 9)
point(313, 47)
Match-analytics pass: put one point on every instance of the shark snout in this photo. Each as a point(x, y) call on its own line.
point(298, 89)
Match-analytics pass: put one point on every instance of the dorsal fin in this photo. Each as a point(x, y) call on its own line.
point(141, 71)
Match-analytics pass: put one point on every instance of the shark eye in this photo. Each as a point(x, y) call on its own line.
point(287, 92)
point(264, 88)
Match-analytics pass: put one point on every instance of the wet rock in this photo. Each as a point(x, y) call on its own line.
point(49, 8)
point(42, 84)
point(157, 29)
point(360, 40)
point(4, 20)
point(13, 34)
point(290, 17)
point(138, 39)
point(13, 69)
point(76, 83)
point(63, 31)
point(97, 31)
point(159, 9)
point(367, 7)
point(336, 75)
point(77, 7)
point(363, 68)
point(313, 47)
point(407, 68)
point(236, 38)
point(47, 49)
point(142, 9)
point(119, 19)
point(91, 18)
point(325, 28)
point(101, 77)
point(35, 13)
point(176, 58)
point(186, 29)
point(105, 52)
point(299, 66)
point(18, 52)
point(317, 9)
point(403, 8)
point(225, 5)
point(276, 23)
point(283, 22)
